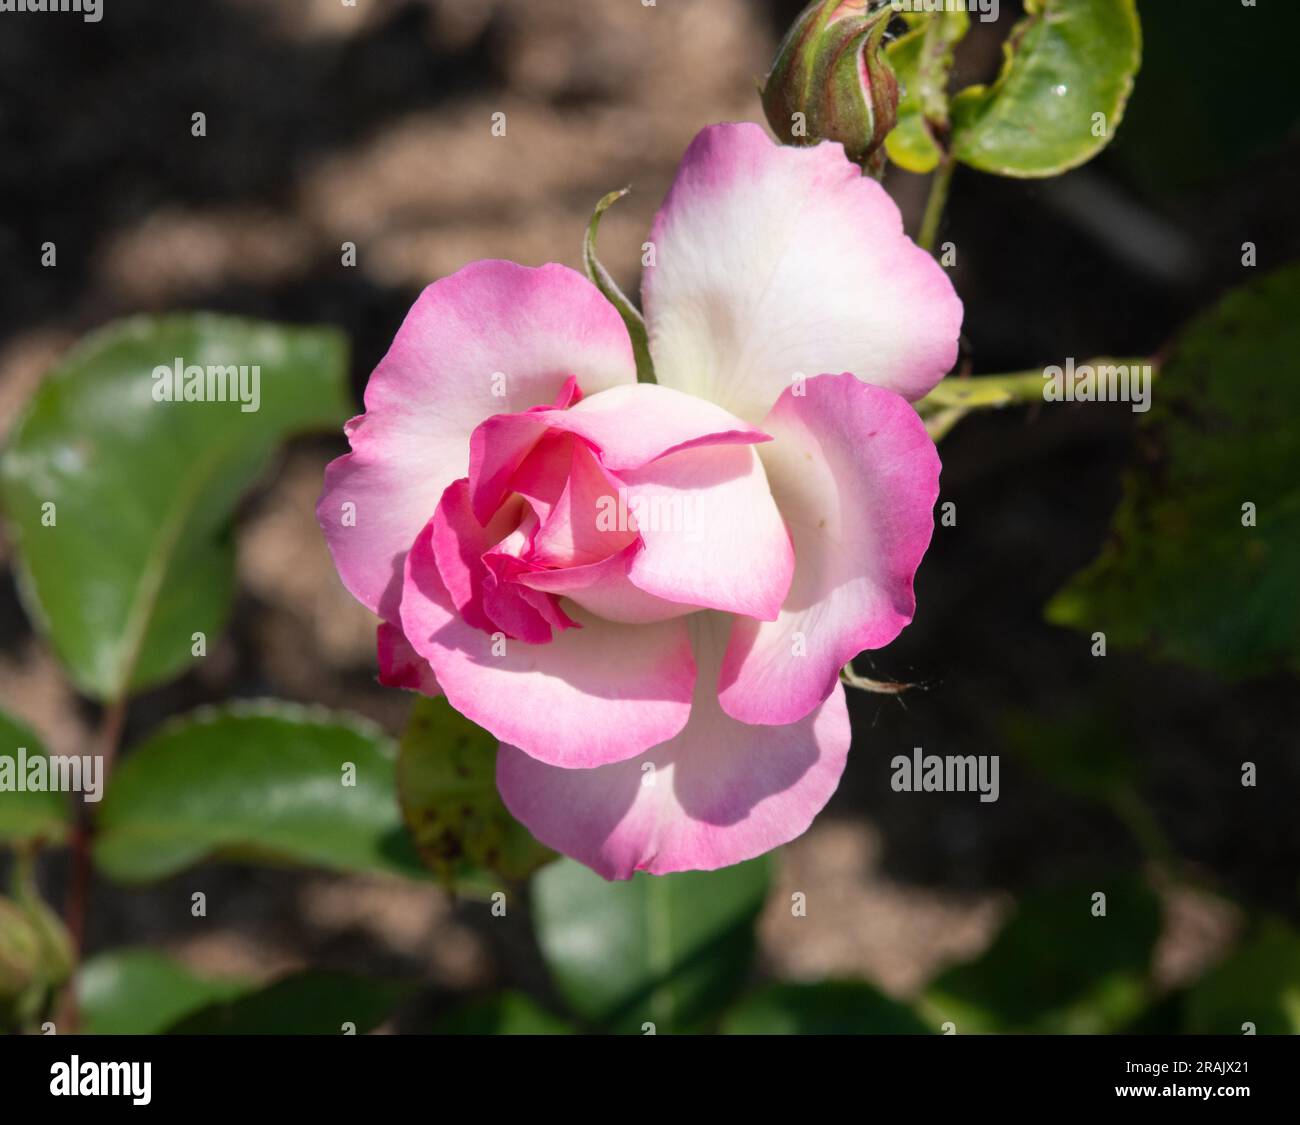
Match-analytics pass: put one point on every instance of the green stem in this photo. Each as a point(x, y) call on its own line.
point(957, 395)
point(940, 182)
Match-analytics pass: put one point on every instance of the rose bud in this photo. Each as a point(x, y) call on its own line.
point(830, 81)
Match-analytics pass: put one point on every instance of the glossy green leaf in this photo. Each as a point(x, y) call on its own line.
point(1056, 967)
point(829, 1008)
point(34, 814)
point(1065, 63)
point(138, 494)
point(1181, 576)
point(1258, 985)
point(600, 277)
point(257, 780)
point(667, 950)
point(507, 1013)
point(446, 782)
point(140, 992)
point(310, 1003)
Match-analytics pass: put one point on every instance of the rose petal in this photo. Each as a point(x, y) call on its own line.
point(573, 532)
point(856, 476)
point(597, 694)
point(630, 426)
point(713, 535)
point(459, 543)
point(719, 793)
point(774, 261)
point(400, 666)
point(603, 589)
point(492, 327)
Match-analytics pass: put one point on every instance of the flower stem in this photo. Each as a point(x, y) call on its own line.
point(957, 395)
point(104, 745)
point(940, 182)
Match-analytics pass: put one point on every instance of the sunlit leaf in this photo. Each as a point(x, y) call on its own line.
point(31, 814)
point(1067, 74)
point(120, 504)
point(267, 781)
point(140, 992)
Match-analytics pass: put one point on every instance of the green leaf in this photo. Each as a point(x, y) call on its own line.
point(38, 815)
point(140, 992)
point(829, 1008)
point(310, 1003)
point(256, 780)
point(910, 144)
point(1065, 62)
point(446, 782)
point(1258, 984)
point(922, 61)
point(1181, 576)
point(140, 556)
point(507, 1013)
point(667, 949)
point(599, 277)
point(1055, 968)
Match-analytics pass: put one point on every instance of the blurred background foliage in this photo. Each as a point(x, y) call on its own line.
point(239, 887)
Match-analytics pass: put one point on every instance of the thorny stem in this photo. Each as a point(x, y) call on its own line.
point(104, 745)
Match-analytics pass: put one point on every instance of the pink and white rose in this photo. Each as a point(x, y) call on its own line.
point(647, 591)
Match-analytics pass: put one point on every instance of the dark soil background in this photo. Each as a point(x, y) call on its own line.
point(372, 124)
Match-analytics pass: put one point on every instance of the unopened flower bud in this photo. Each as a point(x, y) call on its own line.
point(20, 952)
point(830, 80)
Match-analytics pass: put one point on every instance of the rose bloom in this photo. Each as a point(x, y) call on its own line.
point(646, 591)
